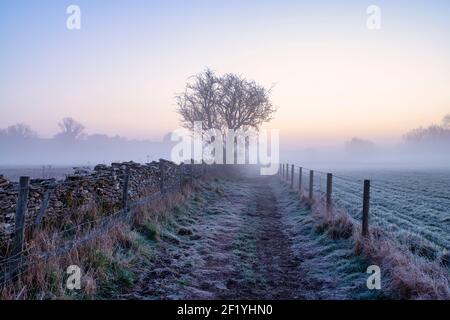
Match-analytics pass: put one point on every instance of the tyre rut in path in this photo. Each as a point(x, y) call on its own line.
point(236, 248)
point(277, 263)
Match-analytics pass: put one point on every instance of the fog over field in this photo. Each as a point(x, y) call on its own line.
point(421, 148)
point(21, 147)
point(380, 157)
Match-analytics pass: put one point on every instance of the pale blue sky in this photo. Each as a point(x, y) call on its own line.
point(119, 73)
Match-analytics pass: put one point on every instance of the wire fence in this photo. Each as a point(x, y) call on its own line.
point(411, 208)
point(408, 211)
point(80, 233)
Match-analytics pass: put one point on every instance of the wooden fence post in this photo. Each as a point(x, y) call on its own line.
point(192, 171)
point(300, 174)
point(366, 204)
point(287, 171)
point(311, 185)
point(126, 181)
point(284, 170)
point(329, 189)
point(292, 176)
point(279, 169)
point(43, 208)
point(180, 173)
point(19, 225)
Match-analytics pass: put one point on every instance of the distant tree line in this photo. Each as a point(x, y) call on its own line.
point(21, 145)
point(436, 134)
point(70, 129)
point(359, 145)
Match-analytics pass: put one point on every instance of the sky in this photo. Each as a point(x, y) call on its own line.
point(333, 77)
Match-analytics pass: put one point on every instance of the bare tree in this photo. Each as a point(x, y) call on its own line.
point(243, 104)
point(226, 102)
point(70, 129)
point(21, 131)
point(199, 101)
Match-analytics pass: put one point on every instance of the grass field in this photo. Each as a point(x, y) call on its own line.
point(411, 208)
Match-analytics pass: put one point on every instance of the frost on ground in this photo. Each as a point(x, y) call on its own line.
point(249, 238)
point(329, 264)
point(413, 206)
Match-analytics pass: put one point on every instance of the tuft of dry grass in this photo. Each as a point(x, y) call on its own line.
point(410, 277)
point(408, 273)
point(108, 262)
point(337, 225)
point(45, 278)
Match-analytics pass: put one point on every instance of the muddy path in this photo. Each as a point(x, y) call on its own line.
point(277, 264)
point(248, 239)
point(228, 243)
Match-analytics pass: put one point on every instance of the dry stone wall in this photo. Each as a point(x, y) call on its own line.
point(102, 185)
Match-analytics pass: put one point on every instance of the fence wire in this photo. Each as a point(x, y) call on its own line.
point(404, 207)
point(94, 228)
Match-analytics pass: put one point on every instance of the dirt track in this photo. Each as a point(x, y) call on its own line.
point(231, 245)
point(239, 239)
